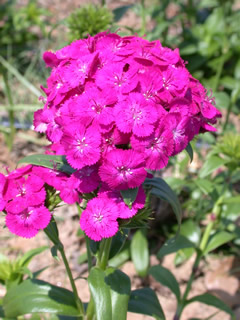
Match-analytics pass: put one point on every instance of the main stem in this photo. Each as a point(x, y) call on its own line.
point(70, 276)
point(10, 111)
point(104, 253)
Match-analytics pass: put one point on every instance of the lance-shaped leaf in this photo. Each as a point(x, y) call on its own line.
point(49, 161)
point(145, 301)
point(218, 239)
point(120, 289)
point(189, 150)
point(100, 293)
point(140, 252)
point(211, 300)
point(33, 296)
point(118, 242)
point(162, 190)
point(166, 278)
point(129, 196)
point(173, 245)
point(27, 257)
point(210, 165)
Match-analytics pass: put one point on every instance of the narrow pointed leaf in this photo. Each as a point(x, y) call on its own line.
point(27, 257)
point(162, 190)
point(218, 239)
point(140, 253)
point(173, 245)
point(166, 278)
point(189, 150)
point(100, 293)
point(20, 78)
point(49, 161)
point(118, 242)
point(145, 301)
point(129, 196)
point(211, 300)
point(38, 296)
point(120, 289)
point(210, 165)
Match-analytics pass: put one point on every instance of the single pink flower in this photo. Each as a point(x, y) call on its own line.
point(99, 219)
point(135, 114)
point(28, 222)
point(123, 169)
point(82, 145)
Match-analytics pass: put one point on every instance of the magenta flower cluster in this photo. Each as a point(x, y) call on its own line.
point(22, 196)
point(115, 107)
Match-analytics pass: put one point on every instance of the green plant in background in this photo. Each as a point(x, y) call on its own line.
point(90, 19)
point(12, 272)
point(21, 27)
point(207, 34)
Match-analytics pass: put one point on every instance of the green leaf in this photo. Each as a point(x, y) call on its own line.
point(20, 78)
point(211, 300)
point(235, 199)
point(204, 185)
point(27, 257)
point(120, 289)
point(121, 257)
point(52, 231)
point(162, 190)
point(140, 253)
point(191, 231)
point(100, 293)
point(118, 242)
point(222, 100)
point(54, 252)
point(228, 82)
point(38, 296)
point(2, 315)
point(166, 278)
point(237, 70)
point(210, 165)
point(49, 161)
point(129, 196)
point(120, 12)
point(145, 301)
point(218, 239)
point(174, 245)
point(189, 150)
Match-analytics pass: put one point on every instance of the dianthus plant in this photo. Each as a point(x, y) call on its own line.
point(115, 110)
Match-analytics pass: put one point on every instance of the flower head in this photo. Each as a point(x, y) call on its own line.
point(99, 219)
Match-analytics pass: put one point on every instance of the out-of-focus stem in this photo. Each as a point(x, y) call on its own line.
point(200, 253)
point(70, 276)
point(10, 111)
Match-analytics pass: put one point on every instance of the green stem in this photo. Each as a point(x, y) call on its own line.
point(218, 74)
point(89, 255)
point(70, 276)
point(182, 304)
point(90, 309)
point(200, 252)
point(104, 253)
point(10, 111)
point(235, 95)
point(216, 211)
